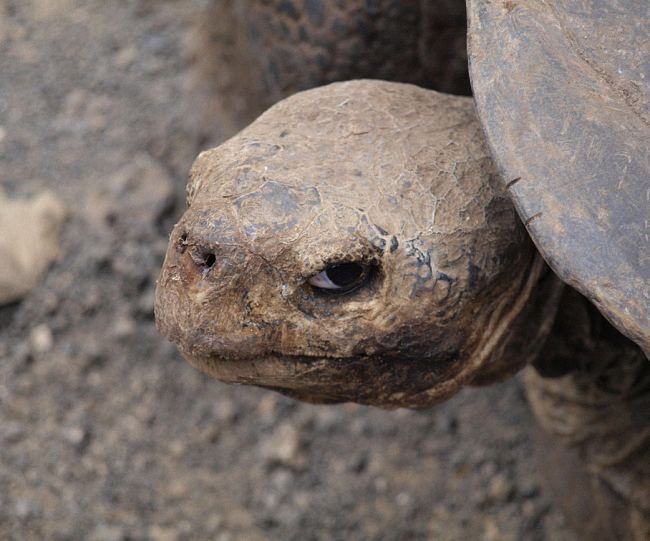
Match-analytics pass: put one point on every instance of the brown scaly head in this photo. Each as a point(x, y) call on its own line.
point(354, 244)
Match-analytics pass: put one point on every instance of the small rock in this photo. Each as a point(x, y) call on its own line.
point(26, 509)
point(225, 411)
point(267, 406)
point(49, 9)
point(163, 533)
point(178, 489)
point(105, 532)
point(29, 242)
point(177, 448)
point(40, 339)
point(500, 489)
point(283, 446)
point(491, 531)
point(404, 499)
point(77, 436)
point(3, 134)
point(381, 484)
point(75, 102)
point(529, 509)
point(124, 326)
point(125, 57)
point(327, 419)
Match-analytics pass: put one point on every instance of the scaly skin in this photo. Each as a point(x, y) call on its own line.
point(591, 395)
point(384, 174)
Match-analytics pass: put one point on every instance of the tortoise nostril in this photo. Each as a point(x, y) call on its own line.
point(181, 246)
point(203, 259)
point(209, 260)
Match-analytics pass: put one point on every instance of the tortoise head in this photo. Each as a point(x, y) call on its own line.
point(354, 243)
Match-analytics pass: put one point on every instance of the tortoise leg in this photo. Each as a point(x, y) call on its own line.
point(594, 435)
point(248, 54)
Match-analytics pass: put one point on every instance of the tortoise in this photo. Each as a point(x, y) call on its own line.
point(387, 244)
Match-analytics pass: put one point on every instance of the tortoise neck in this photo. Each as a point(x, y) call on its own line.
point(581, 339)
point(591, 392)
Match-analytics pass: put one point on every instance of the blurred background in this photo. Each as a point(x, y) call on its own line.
point(105, 433)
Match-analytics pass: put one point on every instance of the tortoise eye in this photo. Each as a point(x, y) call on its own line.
point(341, 278)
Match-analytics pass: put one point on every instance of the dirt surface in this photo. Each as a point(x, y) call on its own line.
point(105, 433)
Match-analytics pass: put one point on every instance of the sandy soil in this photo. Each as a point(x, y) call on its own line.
point(105, 433)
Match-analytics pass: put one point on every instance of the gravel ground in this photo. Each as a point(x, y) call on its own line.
point(105, 433)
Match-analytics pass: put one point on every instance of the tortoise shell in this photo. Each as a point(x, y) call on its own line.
point(562, 92)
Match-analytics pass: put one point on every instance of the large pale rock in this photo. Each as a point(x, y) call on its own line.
point(29, 242)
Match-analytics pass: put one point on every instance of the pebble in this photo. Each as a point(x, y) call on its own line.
point(529, 509)
point(267, 405)
point(381, 484)
point(105, 532)
point(25, 509)
point(125, 57)
point(225, 411)
point(29, 243)
point(282, 446)
point(124, 326)
point(178, 489)
point(77, 436)
point(40, 339)
point(163, 533)
point(500, 488)
point(403, 499)
point(491, 532)
point(48, 9)
point(327, 419)
point(177, 448)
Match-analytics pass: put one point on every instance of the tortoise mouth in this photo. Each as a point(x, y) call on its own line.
point(268, 369)
point(384, 381)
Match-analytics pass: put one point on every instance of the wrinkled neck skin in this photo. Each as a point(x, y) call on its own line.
point(387, 177)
